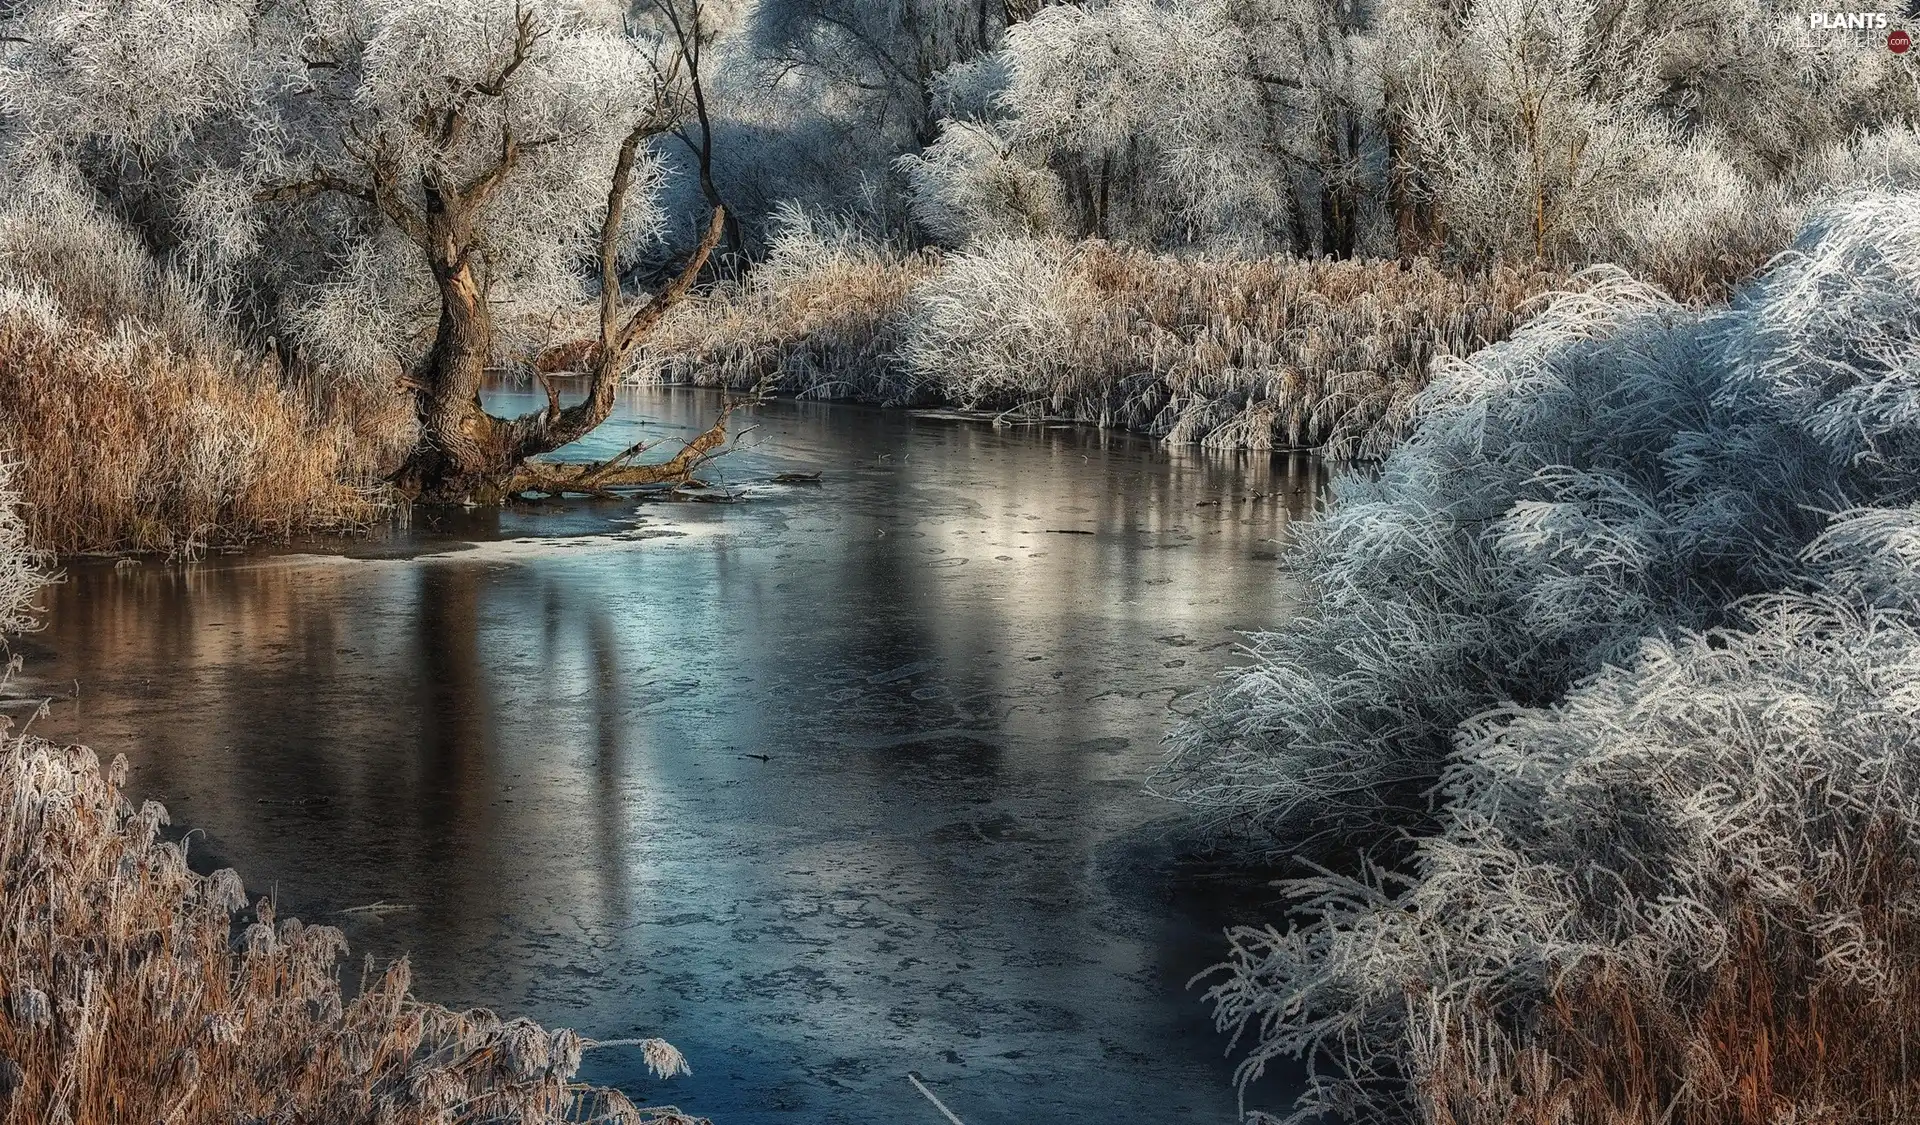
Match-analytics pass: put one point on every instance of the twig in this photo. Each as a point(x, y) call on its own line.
point(937, 1103)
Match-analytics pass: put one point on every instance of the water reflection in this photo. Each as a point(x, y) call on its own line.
point(825, 787)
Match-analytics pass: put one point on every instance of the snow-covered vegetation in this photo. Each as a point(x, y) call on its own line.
point(139, 419)
point(408, 194)
point(1630, 624)
point(1610, 656)
point(22, 568)
point(1258, 353)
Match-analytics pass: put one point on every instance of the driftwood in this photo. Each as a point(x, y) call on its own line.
point(598, 478)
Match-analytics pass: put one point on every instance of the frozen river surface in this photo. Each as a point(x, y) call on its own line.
point(838, 783)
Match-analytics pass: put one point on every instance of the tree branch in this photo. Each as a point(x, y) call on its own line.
point(643, 320)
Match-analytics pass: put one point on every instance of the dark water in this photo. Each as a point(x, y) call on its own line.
point(542, 733)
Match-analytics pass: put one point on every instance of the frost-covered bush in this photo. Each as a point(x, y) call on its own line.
point(137, 418)
point(824, 316)
point(969, 187)
point(65, 263)
point(1223, 350)
point(1621, 467)
point(1132, 119)
point(992, 326)
point(1631, 624)
point(1689, 889)
point(22, 569)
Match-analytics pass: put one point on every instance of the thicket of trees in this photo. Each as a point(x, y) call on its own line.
point(1573, 133)
point(400, 187)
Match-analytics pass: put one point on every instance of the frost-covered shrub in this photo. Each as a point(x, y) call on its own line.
point(1621, 467)
point(1130, 120)
point(993, 326)
point(1636, 606)
point(22, 569)
point(65, 262)
point(823, 317)
point(969, 187)
point(1689, 889)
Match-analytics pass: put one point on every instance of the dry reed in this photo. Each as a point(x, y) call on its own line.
point(1223, 352)
point(134, 990)
point(1271, 352)
point(830, 331)
point(125, 442)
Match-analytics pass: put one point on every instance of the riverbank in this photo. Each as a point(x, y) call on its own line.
point(140, 986)
point(1612, 661)
point(1223, 352)
point(138, 422)
point(149, 431)
point(125, 444)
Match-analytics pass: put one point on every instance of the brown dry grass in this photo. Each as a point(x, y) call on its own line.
point(128, 442)
point(830, 331)
point(1269, 352)
point(1770, 1035)
point(134, 991)
point(1224, 352)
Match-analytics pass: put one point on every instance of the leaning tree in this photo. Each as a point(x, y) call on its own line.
point(437, 188)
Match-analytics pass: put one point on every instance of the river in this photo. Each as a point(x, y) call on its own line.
point(834, 783)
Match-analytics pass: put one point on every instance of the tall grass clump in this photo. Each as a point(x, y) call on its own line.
point(139, 422)
point(822, 317)
point(1622, 467)
point(1689, 892)
point(22, 568)
point(1627, 633)
point(1224, 351)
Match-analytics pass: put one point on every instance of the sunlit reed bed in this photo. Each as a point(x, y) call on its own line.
point(137, 420)
point(1226, 352)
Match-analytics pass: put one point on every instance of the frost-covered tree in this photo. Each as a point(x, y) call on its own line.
point(427, 183)
point(1527, 127)
point(1148, 118)
point(885, 55)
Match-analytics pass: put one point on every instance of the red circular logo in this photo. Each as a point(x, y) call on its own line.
point(1899, 42)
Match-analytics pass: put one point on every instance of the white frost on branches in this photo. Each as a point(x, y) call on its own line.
point(192, 116)
point(1636, 608)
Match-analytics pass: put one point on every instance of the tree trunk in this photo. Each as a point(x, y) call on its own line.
point(466, 455)
point(458, 449)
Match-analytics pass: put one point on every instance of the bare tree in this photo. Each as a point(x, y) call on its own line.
point(692, 35)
